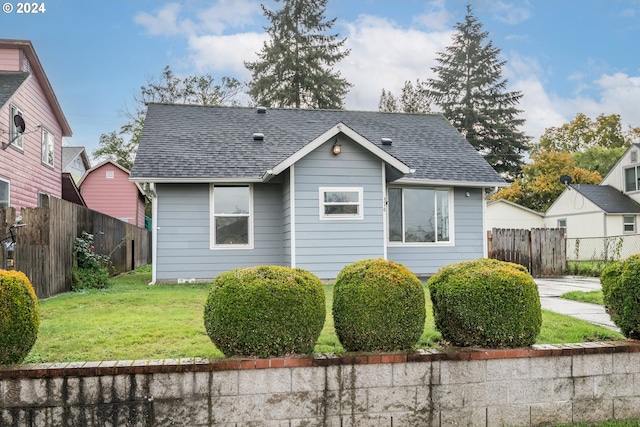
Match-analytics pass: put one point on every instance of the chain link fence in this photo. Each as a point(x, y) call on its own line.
point(612, 248)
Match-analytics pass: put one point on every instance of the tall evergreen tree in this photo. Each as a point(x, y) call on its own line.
point(294, 66)
point(470, 90)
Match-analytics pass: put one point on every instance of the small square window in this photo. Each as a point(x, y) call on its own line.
point(110, 175)
point(340, 203)
point(562, 223)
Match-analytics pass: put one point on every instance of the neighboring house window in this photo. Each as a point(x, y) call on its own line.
point(633, 156)
point(418, 215)
point(341, 203)
point(41, 198)
point(631, 177)
point(47, 147)
point(562, 223)
point(629, 224)
point(109, 175)
point(231, 220)
point(17, 138)
point(4, 193)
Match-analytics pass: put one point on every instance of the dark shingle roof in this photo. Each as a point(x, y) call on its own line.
point(608, 198)
point(9, 84)
point(205, 142)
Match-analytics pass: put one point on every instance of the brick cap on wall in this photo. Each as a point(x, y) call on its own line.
point(126, 367)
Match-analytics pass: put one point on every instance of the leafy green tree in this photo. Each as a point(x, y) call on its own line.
point(388, 103)
point(413, 99)
point(583, 133)
point(294, 67)
point(595, 145)
point(115, 147)
point(121, 146)
point(470, 91)
point(540, 183)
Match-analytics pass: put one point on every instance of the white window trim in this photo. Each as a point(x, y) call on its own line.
point(8, 191)
point(624, 223)
point(13, 110)
point(212, 221)
point(636, 168)
point(341, 217)
point(450, 198)
point(53, 148)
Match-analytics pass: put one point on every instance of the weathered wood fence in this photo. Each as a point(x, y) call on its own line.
point(44, 249)
point(541, 250)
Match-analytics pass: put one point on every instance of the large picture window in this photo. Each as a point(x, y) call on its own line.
point(418, 215)
point(340, 203)
point(231, 220)
point(4, 193)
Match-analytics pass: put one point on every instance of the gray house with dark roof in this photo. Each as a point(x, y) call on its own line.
point(315, 189)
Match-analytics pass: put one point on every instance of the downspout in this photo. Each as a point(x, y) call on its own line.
point(485, 238)
point(292, 207)
point(154, 233)
point(385, 214)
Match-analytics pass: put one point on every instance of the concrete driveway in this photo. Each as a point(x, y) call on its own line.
point(550, 290)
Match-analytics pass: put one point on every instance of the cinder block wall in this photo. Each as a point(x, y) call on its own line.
point(544, 384)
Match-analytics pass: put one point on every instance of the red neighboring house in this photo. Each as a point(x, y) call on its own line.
point(30, 158)
point(106, 188)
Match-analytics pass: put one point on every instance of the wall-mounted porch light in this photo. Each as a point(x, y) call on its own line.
point(336, 148)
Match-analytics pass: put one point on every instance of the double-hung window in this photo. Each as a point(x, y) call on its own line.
point(341, 203)
point(47, 147)
point(629, 224)
point(231, 219)
point(419, 215)
point(632, 179)
point(4, 193)
point(15, 135)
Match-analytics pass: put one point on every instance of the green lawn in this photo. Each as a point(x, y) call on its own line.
point(131, 320)
point(594, 297)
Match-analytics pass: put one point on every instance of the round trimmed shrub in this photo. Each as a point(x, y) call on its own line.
point(621, 294)
point(378, 305)
point(265, 311)
point(486, 303)
point(19, 317)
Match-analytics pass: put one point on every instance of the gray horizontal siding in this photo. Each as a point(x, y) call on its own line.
point(324, 247)
point(183, 240)
point(469, 238)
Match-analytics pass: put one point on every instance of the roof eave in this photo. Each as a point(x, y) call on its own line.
point(201, 180)
point(452, 183)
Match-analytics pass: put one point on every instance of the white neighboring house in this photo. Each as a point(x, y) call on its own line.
point(602, 220)
point(502, 213)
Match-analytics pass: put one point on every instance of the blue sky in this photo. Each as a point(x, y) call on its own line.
point(566, 57)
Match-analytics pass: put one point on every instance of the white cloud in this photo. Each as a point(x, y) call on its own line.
point(436, 17)
point(384, 55)
point(164, 21)
point(225, 54)
point(221, 16)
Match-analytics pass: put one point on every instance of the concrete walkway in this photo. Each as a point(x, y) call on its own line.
point(550, 290)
